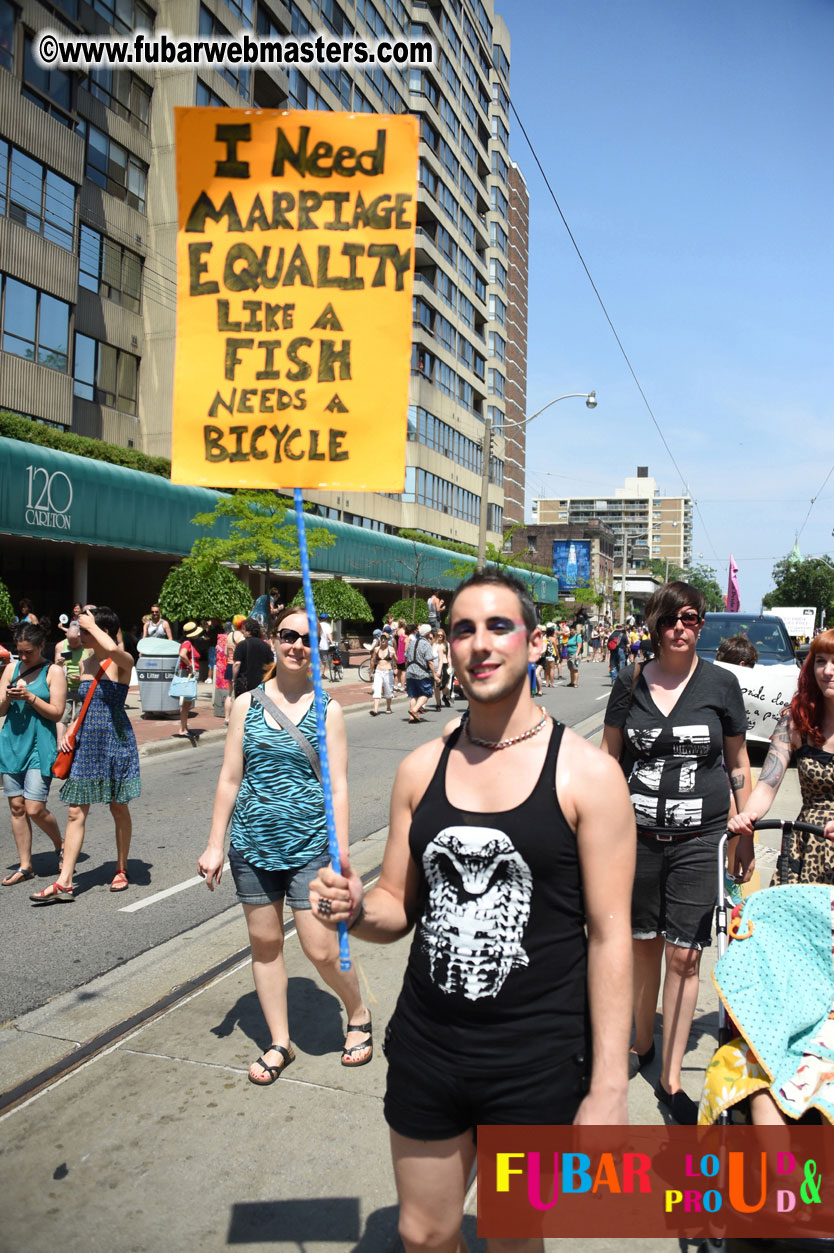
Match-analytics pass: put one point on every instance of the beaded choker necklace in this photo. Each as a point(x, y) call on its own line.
point(496, 744)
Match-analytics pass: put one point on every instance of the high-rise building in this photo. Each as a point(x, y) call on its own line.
point(657, 527)
point(88, 228)
point(515, 432)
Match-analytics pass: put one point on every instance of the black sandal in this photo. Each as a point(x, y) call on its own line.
point(367, 1027)
point(274, 1072)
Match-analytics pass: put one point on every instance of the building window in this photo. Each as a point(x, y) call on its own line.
point(125, 15)
point(109, 269)
point(212, 28)
point(7, 16)
point(497, 272)
point(112, 167)
point(50, 90)
point(124, 93)
point(497, 236)
point(497, 418)
point(105, 374)
point(35, 325)
point(495, 383)
point(497, 346)
point(498, 201)
point(495, 518)
point(36, 197)
point(205, 96)
point(497, 309)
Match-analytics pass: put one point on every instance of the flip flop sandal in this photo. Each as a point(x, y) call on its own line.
point(274, 1072)
point(120, 881)
point(54, 894)
point(358, 1048)
point(17, 876)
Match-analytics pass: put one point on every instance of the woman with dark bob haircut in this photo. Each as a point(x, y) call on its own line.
point(673, 723)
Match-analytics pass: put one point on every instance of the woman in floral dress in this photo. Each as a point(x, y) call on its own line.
point(106, 765)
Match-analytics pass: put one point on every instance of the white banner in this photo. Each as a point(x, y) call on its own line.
point(798, 619)
point(766, 691)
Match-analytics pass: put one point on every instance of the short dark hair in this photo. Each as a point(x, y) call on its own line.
point(497, 578)
point(107, 620)
point(252, 626)
point(738, 651)
point(668, 601)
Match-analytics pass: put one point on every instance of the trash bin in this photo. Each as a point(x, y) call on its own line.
point(155, 669)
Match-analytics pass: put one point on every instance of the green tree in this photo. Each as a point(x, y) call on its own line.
point(808, 582)
point(203, 589)
point(260, 533)
point(337, 599)
point(7, 613)
point(702, 577)
point(412, 610)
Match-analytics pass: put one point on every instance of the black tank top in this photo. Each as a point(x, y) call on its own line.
point(496, 976)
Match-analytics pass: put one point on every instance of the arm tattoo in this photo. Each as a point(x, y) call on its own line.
point(778, 757)
point(737, 781)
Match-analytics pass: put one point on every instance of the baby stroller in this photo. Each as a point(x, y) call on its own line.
point(723, 926)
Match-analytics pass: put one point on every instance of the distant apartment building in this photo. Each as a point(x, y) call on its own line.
point(593, 544)
point(656, 527)
point(88, 226)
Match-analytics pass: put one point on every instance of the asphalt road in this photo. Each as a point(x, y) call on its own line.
point(47, 951)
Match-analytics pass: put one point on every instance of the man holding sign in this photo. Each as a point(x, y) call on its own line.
point(508, 836)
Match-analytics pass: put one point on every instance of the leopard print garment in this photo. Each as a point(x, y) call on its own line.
point(812, 860)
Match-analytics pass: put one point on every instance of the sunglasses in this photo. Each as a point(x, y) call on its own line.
point(287, 636)
point(689, 619)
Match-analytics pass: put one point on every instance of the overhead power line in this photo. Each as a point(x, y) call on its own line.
point(608, 319)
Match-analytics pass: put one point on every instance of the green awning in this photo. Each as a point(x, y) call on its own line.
point(47, 494)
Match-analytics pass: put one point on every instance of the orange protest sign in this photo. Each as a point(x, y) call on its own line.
point(295, 260)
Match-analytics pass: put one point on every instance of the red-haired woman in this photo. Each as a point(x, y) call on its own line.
point(807, 728)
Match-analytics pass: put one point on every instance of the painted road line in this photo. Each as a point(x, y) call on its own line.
point(160, 896)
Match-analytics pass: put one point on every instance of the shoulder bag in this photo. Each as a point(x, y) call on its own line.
point(261, 698)
point(184, 685)
point(62, 764)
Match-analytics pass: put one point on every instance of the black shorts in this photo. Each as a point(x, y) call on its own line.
point(424, 1103)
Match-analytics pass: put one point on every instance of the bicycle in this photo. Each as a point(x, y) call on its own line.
point(332, 661)
point(365, 671)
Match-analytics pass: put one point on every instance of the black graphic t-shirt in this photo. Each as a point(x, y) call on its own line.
point(674, 762)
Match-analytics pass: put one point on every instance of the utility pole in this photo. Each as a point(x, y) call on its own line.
point(623, 575)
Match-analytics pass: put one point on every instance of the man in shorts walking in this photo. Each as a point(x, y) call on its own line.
point(507, 836)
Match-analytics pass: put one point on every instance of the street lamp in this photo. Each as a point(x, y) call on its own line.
point(590, 399)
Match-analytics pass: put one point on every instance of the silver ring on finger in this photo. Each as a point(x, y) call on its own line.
point(324, 907)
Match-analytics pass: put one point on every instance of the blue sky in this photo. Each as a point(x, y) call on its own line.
point(689, 145)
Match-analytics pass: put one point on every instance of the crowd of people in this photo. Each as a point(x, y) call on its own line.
point(555, 892)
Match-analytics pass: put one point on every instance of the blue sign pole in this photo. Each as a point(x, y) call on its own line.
point(310, 607)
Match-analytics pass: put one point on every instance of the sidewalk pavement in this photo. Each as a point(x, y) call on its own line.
point(158, 1144)
point(158, 733)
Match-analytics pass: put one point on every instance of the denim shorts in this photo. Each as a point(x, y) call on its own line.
point(30, 784)
point(418, 687)
point(256, 886)
point(675, 887)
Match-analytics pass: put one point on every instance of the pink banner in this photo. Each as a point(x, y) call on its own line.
point(733, 598)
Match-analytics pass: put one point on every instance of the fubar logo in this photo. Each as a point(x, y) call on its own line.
point(49, 499)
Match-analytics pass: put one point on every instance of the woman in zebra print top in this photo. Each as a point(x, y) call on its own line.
point(269, 791)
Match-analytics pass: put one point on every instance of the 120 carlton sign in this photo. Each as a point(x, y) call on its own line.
point(48, 498)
